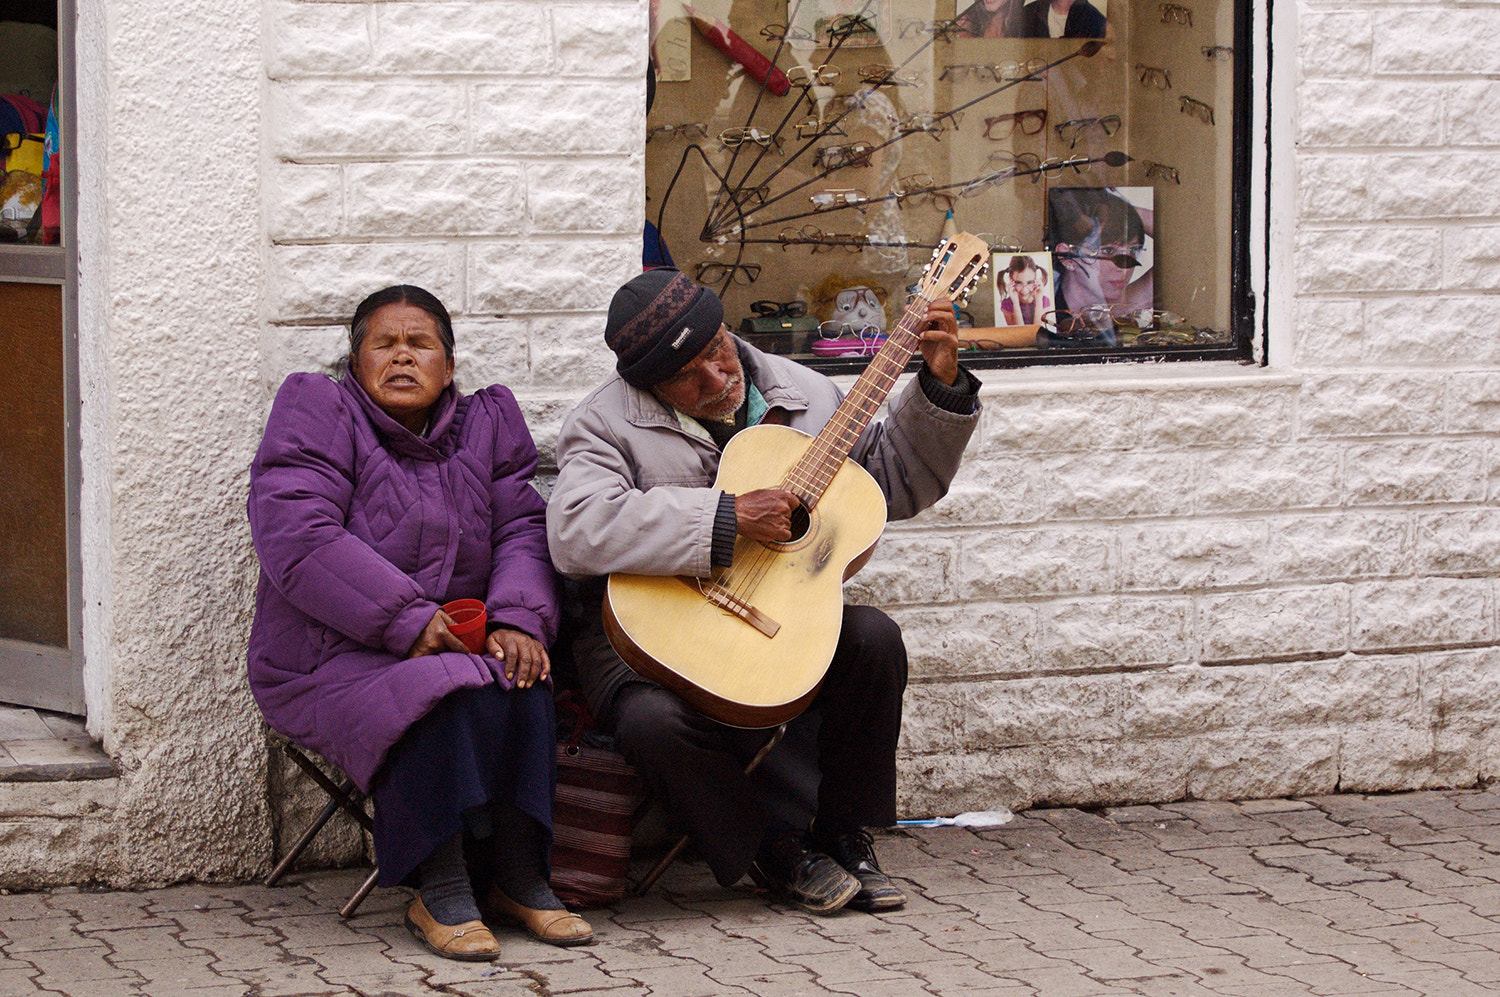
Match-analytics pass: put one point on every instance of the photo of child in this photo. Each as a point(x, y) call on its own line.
point(1023, 288)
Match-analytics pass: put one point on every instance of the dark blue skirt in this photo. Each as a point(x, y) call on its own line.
point(476, 746)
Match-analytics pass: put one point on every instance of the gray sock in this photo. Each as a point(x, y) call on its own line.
point(445, 888)
point(520, 844)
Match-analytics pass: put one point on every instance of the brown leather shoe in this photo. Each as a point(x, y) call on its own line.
point(555, 927)
point(468, 942)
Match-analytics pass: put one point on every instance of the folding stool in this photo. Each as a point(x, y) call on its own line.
point(342, 796)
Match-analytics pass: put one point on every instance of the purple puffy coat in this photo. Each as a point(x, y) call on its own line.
point(363, 530)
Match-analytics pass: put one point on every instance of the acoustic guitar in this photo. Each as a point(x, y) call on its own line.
point(750, 645)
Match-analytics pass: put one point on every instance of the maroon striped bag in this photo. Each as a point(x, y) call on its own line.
point(599, 799)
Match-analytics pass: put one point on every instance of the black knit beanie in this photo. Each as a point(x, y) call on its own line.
point(658, 322)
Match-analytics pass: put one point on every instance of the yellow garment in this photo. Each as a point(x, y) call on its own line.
point(28, 153)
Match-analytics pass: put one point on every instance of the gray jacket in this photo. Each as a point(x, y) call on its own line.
point(635, 488)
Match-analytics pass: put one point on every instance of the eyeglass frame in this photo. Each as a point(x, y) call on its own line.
point(823, 75)
point(1171, 12)
point(1080, 126)
point(769, 33)
point(766, 308)
point(1189, 105)
point(933, 126)
point(886, 75)
point(819, 128)
point(1016, 118)
point(859, 154)
point(1077, 320)
point(846, 197)
point(729, 270)
point(1147, 74)
point(998, 72)
point(765, 140)
point(1155, 169)
point(683, 128)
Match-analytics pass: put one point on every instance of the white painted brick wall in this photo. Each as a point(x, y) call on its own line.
point(1145, 584)
point(490, 152)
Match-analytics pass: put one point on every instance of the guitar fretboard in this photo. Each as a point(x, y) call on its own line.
point(812, 474)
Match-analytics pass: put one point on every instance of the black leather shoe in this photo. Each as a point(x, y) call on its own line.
point(811, 880)
point(854, 851)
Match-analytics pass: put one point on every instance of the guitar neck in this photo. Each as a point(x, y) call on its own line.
point(811, 475)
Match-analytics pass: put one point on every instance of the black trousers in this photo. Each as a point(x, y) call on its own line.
point(696, 765)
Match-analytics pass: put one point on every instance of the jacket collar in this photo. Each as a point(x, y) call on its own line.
point(437, 444)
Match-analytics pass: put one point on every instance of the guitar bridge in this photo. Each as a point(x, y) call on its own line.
point(734, 605)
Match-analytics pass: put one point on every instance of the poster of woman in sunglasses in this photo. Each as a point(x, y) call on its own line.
point(1103, 240)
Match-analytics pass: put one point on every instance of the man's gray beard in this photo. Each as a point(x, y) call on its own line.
point(723, 411)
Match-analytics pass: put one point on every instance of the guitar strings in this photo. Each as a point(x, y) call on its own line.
point(816, 469)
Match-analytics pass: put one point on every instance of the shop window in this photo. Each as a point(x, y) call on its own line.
point(806, 164)
point(30, 202)
point(40, 595)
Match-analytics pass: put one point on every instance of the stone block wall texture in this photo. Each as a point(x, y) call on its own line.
point(1147, 584)
point(1284, 582)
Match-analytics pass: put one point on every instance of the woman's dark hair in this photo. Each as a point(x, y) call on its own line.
point(399, 294)
point(1020, 264)
point(1077, 213)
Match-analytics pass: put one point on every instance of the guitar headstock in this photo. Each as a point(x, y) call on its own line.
point(955, 269)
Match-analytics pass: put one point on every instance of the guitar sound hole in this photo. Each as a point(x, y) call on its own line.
point(801, 522)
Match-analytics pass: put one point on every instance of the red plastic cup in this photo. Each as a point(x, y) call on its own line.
point(468, 622)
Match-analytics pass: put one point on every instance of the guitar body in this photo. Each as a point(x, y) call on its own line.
point(722, 664)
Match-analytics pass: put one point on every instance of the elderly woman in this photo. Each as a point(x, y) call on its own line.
point(375, 499)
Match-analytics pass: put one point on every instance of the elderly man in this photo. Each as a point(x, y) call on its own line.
point(635, 493)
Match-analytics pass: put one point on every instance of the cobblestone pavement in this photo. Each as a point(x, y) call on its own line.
point(1346, 895)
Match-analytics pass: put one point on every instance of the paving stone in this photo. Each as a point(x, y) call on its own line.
point(782, 942)
point(1197, 881)
point(27, 906)
point(683, 979)
point(1115, 963)
point(1349, 913)
point(1485, 799)
point(1478, 966)
point(1452, 920)
point(61, 967)
point(1312, 825)
point(1139, 896)
point(1436, 982)
point(1219, 970)
point(1482, 900)
point(1468, 857)
point(182, 972)
point(571, 977)
point(1330, 870)
point(1127, 815)
point(1262, 807)
point(43, 934)
point(848, 965)
point(15, 981)
point(1044, 891)
point(1396, 895)
point(1077, 825)
point(1403, 830)
point(1156, 942)
point(1335, 978)
point(1267, 951)
point(1066, 980)
point(1417, 939)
